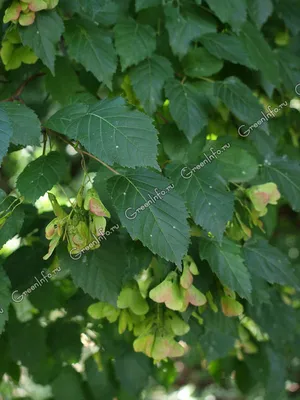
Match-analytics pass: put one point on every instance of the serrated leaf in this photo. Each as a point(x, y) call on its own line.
point(237, 165)
point(6, 132)
point(207, 198)
point(133, 371)
point(98, 272)
point(183, 29)
point(199, 62)
point(240, 101)
point(12, 226)
point(259, 11)
point(227, 47)
point(142, 4)
point(188, 107)
point(93, 48)
point(41, 175)
point(289, 70)
point(105, 12)
point(43, 35)
point(25, 124)
point(260, 53)
point(226, 262)
point(134, 42)
point(5, 298)
point(269, 263)
point(232, 11)
point(110, 130)
point(66, 77)
point(286, 174)
point(289, 11)
point(148, 79)
point(161, 225)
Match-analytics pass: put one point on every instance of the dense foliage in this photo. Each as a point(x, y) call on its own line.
point(150, 183)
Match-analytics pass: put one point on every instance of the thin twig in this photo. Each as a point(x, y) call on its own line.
point(82, 151)
point(19, 91)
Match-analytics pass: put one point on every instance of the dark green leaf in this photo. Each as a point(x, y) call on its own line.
point(43, 35)
point(5, 298)
point(259, 11)
point(152, 212)
point(232, 11)
point(199, 62)
point(6, 131)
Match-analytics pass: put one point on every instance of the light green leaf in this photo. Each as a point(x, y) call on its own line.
point(286, 174)
point(5, 298)
point(134, 42)
point(110, 130)
point(237, 165)
point(199, 62)
point(6, 131)
point(148, 79)
point(43, 35)
point(93, 48)
point(25, 124)
point(259, 11)
point(188, 107)
point(269, 263)
point(183, 29)
point(226, 262)
point(240, 101)
point(260, 53)
point(141, 4)
point(152, 212)
point(227, 47)
point(41, 175)
point(232, 11)
point(98, 272)
point(206, 196)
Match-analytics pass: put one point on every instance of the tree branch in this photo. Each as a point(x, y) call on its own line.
point(19, 91)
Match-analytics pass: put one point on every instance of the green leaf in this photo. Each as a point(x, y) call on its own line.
point(40, 176)
point(66, 77)
point(237, 165)
point(43, 35)
point(240, 101)
point(188, 107)
point(101, 386)
point(199, 62)
point(226, 262)
point(141, 4)
point(206, 196)
point(110, 130)
point(25, 124)
point(6, 131)
point(289, 70)
point(260, 53)
point(5, 298)
point(98, 272)
point(183, 29)
point(269, 263)
point(260, 11)
point(93, 48)
point(289, 11)
point(12, 226)
point(227, 47)
point(68, 385)
point(148, 79)
point(232, 11)
point(152, 212)
point(134, 42)
point(103, 12)
point(286, 174)
point(133, 371)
